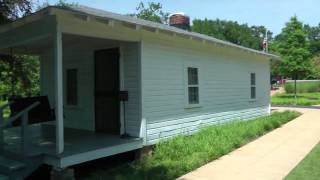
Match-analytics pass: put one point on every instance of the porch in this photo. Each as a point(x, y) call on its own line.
point(80, 145)
point(83, 77)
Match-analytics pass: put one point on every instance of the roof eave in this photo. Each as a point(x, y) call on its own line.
point(138, 22)
point(159, 26)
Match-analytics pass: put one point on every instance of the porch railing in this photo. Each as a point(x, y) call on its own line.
point(7, 123)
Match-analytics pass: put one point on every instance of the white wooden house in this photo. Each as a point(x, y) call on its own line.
point(177, 82)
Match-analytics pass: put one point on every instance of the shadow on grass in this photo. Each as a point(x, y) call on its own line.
point(128, 171)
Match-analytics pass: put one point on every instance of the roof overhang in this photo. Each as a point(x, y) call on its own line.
point(109, 18)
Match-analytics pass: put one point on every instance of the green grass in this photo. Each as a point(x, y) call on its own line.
point(183, 154)
point(309, 168)
point(303, 87)
point(303, 99)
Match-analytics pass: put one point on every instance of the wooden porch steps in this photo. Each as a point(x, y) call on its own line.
point(2, 177)
point(18, 167)
point(9, 167)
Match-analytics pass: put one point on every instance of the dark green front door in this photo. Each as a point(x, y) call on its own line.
point(107, 85)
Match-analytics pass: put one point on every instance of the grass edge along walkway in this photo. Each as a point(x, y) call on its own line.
point(308, 168)
point(182, 154)
point(303, 99)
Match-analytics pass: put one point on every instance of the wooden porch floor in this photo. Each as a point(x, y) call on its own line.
point(80, 145)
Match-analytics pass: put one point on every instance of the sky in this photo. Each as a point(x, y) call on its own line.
point(272, 14)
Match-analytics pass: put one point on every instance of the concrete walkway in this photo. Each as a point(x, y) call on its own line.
point(271, 156)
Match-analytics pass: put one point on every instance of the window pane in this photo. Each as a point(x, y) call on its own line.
point(72, 87)
point(253, 92)
point(193, 95)
point(192, 76)
point(253, 78)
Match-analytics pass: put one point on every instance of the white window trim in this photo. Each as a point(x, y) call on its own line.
point(255, 85)
point(186, 84)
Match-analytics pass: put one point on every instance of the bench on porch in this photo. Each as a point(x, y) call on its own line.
point(40, 113)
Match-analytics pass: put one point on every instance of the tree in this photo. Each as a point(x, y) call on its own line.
point(152, 12)
point(313, 34)
point(10, 10)
point(232, 31)
point(19, 73)
point(60, 3)
point(293, 47)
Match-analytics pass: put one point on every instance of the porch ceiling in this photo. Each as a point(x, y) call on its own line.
point(69, 42)
point(76, 42)
point(31, 47)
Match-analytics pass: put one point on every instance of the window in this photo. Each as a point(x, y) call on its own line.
point(253, 85)
point(193, 86)
point(72, 87)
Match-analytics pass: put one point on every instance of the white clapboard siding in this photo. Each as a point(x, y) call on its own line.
point(81, 57)
point(130, 54)
point(189, 125)
point(224, 87)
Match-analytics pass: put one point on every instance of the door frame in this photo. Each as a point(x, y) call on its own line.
point(121, 83)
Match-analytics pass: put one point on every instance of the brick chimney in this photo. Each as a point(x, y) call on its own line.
point(180, 20)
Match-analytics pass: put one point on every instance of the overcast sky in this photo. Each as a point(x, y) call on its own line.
point(271, 13)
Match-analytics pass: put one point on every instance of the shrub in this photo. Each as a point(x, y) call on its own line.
point(303, 87)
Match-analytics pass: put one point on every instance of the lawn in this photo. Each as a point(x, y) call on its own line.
point(182, 154)
point(309, 168)
point(303, 99)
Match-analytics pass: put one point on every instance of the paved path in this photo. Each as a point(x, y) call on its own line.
point(271, 156)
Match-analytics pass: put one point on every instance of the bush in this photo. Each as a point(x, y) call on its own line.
point(303, 87)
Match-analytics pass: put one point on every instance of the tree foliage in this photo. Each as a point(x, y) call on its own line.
point(60, 3)
point(152, 12)
point(232, 31)
point(19, 73)
point(10, 10)
point(313, 34)
point(293, 46)
point(315, 70)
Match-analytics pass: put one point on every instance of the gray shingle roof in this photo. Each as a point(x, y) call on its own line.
point(132, 20)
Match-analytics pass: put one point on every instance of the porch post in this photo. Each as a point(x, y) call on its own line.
point(58, 92)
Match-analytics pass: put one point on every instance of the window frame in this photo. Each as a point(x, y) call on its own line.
point(253, 85)
point(187, 86)
point(76, 85)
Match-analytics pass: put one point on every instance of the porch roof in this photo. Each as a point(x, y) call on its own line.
point(140, 23)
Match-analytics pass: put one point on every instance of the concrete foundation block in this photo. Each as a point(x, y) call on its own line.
point(62, 174)
point(143, 152)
